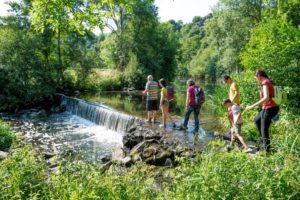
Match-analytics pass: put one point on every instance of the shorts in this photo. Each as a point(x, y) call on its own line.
point(165, 103)
point(237, 128)
point(152, 105)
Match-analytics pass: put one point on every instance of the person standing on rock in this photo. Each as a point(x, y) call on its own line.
point(194, 100)
point(151, 90)
point(164, 104)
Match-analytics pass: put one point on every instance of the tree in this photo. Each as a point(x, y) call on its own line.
point(274, 47)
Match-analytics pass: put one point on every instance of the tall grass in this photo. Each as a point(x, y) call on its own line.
point(211, 175)
point(6, 136)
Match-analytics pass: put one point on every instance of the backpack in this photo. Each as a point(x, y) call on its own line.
point(280, 96)
point(170, 93)
point(199, 96)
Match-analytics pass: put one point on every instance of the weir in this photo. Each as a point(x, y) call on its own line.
point(98, 113)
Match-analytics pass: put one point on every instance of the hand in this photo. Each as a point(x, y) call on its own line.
point(248, 108)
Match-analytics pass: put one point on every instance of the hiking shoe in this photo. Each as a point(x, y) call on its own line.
point(182, 128)
point(248, 150)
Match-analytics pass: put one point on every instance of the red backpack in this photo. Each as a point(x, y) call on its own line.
point(170, 93)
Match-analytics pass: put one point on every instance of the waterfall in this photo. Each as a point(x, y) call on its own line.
point(98, 113)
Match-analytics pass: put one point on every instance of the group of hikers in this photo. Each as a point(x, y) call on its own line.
point(195, 98)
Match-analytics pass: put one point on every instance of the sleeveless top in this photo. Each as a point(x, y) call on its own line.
point(270, 103)
point(164, 93)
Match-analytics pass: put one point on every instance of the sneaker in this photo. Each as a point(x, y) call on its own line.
point(148, 121)
point(182, 127)
point(248, 150)
point(162, 126)
point(174, 125)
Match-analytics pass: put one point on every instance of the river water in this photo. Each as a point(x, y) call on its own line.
point(93, 126)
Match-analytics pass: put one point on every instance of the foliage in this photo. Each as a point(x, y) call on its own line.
point(213, 174)
point(133, 74)
point(6, 136)
point(23, 79)
point(274, 46)
point(236, 176)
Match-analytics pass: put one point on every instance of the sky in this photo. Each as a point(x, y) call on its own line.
point(183, 10)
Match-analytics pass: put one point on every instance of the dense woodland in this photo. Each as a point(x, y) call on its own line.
point(45, 49)
point(51, 46)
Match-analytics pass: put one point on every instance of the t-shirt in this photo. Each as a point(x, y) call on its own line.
point(234, 87)
point(152, 88)
point(270, 103)
point(235, 111)
point(191, 92)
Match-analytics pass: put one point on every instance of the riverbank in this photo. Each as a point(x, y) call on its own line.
point(212, 174)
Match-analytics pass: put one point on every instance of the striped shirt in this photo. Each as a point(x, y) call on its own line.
point(152, 88)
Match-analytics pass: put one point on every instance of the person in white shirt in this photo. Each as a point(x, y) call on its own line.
point(236, 122)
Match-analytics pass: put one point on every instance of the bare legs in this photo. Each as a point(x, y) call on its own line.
point(151, 115)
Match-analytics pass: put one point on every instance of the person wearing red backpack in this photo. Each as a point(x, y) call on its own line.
point(164, 104)
point(269, 108)
point(192, 105)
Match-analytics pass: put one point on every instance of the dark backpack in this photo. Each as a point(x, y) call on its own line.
point(170, 93)
point(199, 96)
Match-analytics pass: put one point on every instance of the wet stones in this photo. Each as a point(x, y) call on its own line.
point(150, 145)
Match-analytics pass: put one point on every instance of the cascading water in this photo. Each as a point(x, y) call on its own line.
point(98, 114)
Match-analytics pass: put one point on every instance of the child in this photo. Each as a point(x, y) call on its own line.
point(236, 124)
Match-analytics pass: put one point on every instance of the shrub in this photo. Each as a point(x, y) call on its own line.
point(6, 136)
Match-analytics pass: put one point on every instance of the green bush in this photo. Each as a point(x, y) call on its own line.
point(6, 136)
point(219, 175)
point(104, 80)
point(23, 176)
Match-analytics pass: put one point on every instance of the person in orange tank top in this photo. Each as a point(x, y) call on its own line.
point(269, 108)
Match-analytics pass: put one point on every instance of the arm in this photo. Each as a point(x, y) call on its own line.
point(161, 97)
point(264, 99)
point(146, 89)
point(238, 117)
point(187, 99)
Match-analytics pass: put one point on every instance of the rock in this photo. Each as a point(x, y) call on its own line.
point(48, 155)
point(126, 161)
point(150, 150)
point(138, 148)
point(117, 154)
point(169, 162)
point(3, 155)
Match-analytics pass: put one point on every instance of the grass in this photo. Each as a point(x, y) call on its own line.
point(213, 174)
point(6, 136)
